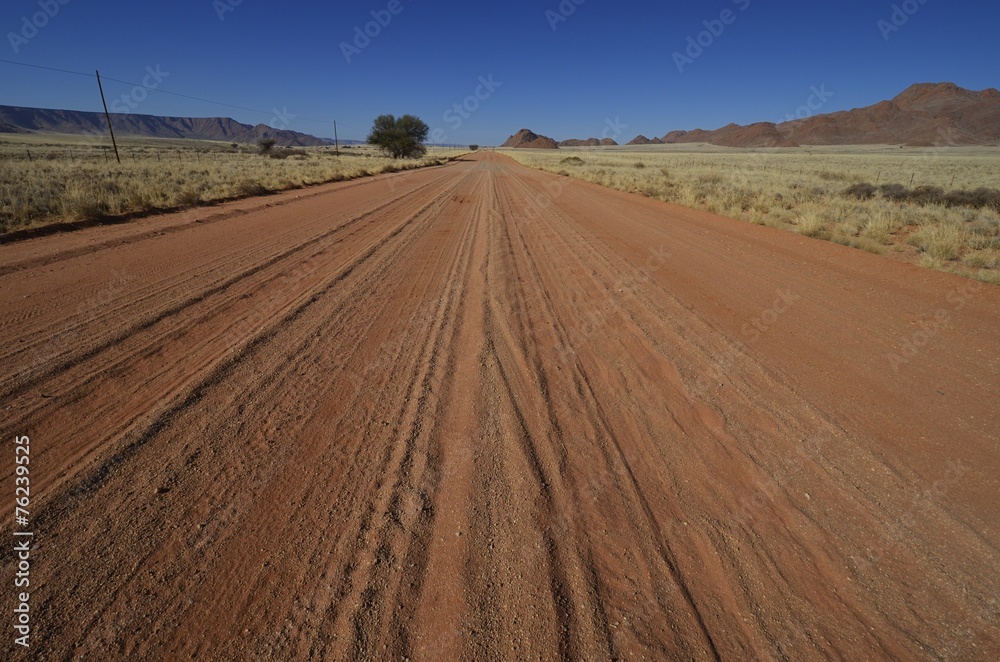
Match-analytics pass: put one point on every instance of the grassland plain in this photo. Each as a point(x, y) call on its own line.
point(48, 178)
point(937, 207)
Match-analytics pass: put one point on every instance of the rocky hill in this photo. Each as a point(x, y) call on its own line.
point(923, 114)
point(15, 119)
point(643, 140)
point(526, 139)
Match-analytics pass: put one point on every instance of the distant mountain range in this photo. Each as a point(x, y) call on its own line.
point(74, 122)
point(922, 115)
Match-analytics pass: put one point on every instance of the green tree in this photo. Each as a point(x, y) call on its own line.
point(401, 137)
point(474, 148)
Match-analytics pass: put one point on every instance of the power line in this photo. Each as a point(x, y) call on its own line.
point(38, 66)
point(162, 91)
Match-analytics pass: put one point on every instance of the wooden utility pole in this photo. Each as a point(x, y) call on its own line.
point(108, 116)
point(336, 140)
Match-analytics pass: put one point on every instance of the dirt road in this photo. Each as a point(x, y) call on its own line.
point(482, 412)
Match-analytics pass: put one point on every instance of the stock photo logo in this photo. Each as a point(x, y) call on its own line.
point(223, 7)
point(33, 24)
point(456, 115)
point(364, 35)
point(130, 101)
point(562, 12)
point(900, 16)
point(814, 103)
point(282, 119)
point(715, 28)
point(613, 128)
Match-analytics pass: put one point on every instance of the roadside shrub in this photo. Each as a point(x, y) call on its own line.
point(981, 198)
point(249, 187)
point(810, 224)
point(894, 192)
point(266, 145)
point(864, 243)
point(138, 197)
point(880, 226)
point(986, 225)
point(940, 242)
point(573, 160)
point(282, 154)
point(982, 259)
point(927, 195)
point(189, 196)
point(84, 200)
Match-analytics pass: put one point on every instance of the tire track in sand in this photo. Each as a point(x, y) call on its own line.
point(470, 430)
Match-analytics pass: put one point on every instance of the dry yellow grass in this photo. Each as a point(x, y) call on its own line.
point(804, 190)
point(45, 178)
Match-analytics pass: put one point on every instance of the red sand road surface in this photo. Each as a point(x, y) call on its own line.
point(482, 412)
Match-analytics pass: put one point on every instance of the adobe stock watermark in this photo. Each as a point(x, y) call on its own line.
point(752, 331)
point(714, 29)
point(763, 496)
point(613, 128)
point(930, 327)
point(129, 101)
point(921, 501)
point(223, 7)
point(945, 136)
point(817, 99)
point(87, 312)
point(900, 16)
point(364, 35)
point(22, 540)
point(282, 119)
point(32, 25)
point(598, 319)
point(562, 12)
point(459, 112)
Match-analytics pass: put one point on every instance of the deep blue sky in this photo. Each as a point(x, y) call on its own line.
point(607, 60)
